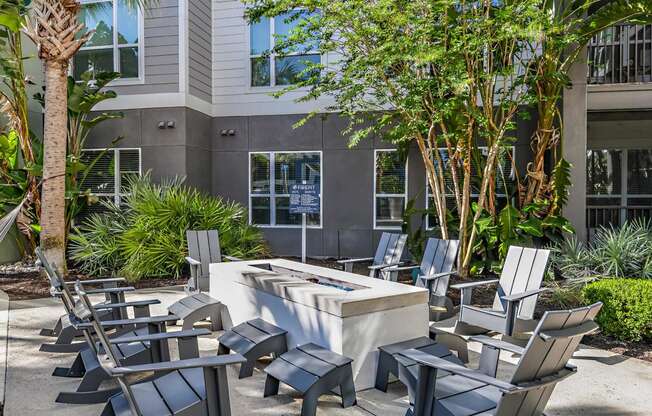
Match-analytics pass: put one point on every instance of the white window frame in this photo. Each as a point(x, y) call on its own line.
point(376, 195)
point(272, 87)
point(428, 226)
point(272, 195)
point(116, 47)
point(117, 196)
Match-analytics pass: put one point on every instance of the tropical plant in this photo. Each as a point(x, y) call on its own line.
point(53, 25)
point(19, 176)
point(566, 29)
point(624, 251)
point(146, 236)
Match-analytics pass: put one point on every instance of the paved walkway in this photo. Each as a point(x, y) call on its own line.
point(607, 384)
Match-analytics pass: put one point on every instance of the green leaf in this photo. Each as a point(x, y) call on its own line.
point(532, 226)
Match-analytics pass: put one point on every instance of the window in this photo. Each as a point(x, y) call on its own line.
point(269, 69)
point(271, 176)
point(618, 185)
point(504, 179)
point(115, 45)
point(109, 176)
point(390, 189)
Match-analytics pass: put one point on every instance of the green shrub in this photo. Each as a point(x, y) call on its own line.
point(627, 311)
point(146, 237)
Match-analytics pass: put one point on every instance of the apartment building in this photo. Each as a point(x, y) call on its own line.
point(196, 97)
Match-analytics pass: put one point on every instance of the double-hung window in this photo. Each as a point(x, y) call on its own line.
point(505, 177)
point(272, 174)
point(116, 44)
point(110, 171)
point(390, 189)
point(269, 69)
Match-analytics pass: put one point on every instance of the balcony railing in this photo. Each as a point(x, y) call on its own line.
point(621, 54)
point(598, 216)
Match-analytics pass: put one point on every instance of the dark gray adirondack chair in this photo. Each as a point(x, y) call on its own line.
point(203, 249)
point(516, 297)
point(436, 268)
point(113, 308)
point(440, 387)
point(130, 348)
point(191, 386)
point(388, 254)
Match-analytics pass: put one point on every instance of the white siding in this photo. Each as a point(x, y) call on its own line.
point(232, 94)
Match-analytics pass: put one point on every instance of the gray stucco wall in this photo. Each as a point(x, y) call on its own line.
point(161, 48)
point(220, 165)
point(200, 70)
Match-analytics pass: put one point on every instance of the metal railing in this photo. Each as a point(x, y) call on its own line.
point(621, 54)
point(598, 216)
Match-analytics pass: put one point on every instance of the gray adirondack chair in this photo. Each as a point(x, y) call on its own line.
point(114, 308)
point(388, 254)
point(203, 249)
point(435, 270)
point(516, 296)
point(191, 386)
point(441, 387)
point(129, 348)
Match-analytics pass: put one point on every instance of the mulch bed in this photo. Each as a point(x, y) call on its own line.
point(24, 286)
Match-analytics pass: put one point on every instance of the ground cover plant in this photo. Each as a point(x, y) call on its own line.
point(146, 235)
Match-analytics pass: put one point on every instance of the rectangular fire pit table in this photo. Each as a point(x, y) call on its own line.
point(346, 313)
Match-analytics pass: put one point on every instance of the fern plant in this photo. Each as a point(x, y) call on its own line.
point(147, 236)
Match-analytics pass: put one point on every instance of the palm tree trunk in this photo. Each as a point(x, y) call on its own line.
point(54, 165)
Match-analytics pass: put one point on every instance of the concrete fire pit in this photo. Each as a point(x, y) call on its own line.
point(347, 313)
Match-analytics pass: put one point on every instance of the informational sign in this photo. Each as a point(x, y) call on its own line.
point(305, 199)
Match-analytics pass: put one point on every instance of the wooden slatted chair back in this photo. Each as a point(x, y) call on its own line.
point(85, 312)
point(546, 356)
point(439, 256)
point(524, 270)
point(204, 246)
point(390, 249)
point(57, 284)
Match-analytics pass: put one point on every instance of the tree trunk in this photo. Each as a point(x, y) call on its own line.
point(54, 165)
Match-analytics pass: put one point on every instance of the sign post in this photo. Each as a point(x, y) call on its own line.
point(304, 199)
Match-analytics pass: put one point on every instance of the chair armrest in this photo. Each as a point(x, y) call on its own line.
point(431, 361)
point(385, 266)
point(192, 261)
point(355, 260)
point(108, 306)
point(582, 329)
point(520, 296)
point(161, 336)
point(437, 275)
point(136, 321)
point(110, 290)
point(474, 284)
point(403, 268)
point(231, 258)
point(166, 366)
point(498, 344)
point(98, 281)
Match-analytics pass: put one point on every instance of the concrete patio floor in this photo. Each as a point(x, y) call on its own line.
point(606, 384)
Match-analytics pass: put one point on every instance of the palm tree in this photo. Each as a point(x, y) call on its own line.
point(54, 27)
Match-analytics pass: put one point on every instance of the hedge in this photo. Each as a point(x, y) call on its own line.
point(627, 311)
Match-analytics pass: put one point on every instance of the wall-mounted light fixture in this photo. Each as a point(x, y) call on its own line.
point(229, 132)
point(167, 124)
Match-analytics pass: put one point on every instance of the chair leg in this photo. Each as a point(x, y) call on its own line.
point(223, 350)
point(347, 389)
point(246, 369)
point(75, 370)
point(271, 386)
point(309, 405)
point(87, 397)
point(92, 380)
point(216, 319)
point(382, 373)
